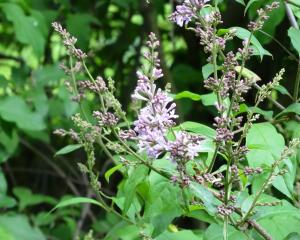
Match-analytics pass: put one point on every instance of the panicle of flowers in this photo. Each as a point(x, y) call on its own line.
point(262, 16)
point(107, 119)
point(187, 11)
point(157, 115)
point(87, 132)
point(185, 147)
point(71, 133)
point(266, 90)
point(99, 86)
point(69, 41)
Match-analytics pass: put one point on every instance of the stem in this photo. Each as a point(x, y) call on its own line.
point(225, 228)
point(211, 165)
point(93, 80)
point(297, 84)
point(263, 188)
point(294, 24)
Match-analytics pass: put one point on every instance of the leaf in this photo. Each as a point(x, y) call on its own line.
point(243, 34)
point(268, 115)
point(111, 171)
point(189, 95)
point(209, 99)
point(282, 90)
point(293, 108)
point(197, 128)
point(48, 75)
point(241, 2)
point(75, 201)
point(162, 200)
point(280, 227)
point(246, 73)
point(249, 5)
point(26, 28)
point(294, 35)
point(215, 232)
point(180, 235)
point(130, 186)
point(68, 149)
point(9, 141)
point(209, 200)
point(292, 236)
point(14, 109)
point(27, 198)
point(207, 70)
point(265, 144)
point(18, 227)
point(3, 184)
point(284, 209)
point(78, 25)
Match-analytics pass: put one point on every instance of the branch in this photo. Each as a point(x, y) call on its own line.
point(294, 24)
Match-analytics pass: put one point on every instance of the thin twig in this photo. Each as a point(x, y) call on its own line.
point(294, 24)
point(51, 164)
point(84, 212)
point(276, 103)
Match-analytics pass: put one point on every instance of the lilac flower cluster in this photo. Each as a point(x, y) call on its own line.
point(107, 119)
point(69, 41)
point(262, 16)
point(187, 11)
point(158, 115)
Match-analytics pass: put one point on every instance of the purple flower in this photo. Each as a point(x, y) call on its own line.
point(187, 11)
point(153, 143)
point(185, 147)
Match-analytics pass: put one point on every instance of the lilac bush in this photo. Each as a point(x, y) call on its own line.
point(214, 175)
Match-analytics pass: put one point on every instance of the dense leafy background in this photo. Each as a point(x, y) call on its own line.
point(34, 102)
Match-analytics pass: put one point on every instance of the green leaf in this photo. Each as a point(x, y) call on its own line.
point(249, 5)
point(14, 109)
point(79, 25)
point(27, 198)
point(241, 2)
point(26, 28)
point(294, 35)
point(207, 70)
point(189, 95)
point(265, 144)
point(197, 128)
point(18, 227)
point(246, 73)
point(209, 200)
point(68, 149)
point(268, 115)
point(292, 236)
point(111, 171)
point(76, 201)
point(130, 185)
point(215, 232)
point(180, 235)
point(280, 227)
point(3, 184)
point(293, 108)
point(9, 141)
point(243, 34)
point(162, 200)
point(209, 99)
point(283, 90)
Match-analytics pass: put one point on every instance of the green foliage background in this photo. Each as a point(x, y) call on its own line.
point(34, 102)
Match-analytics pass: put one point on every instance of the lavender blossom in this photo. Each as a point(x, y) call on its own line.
point(185, 147)
point(187, 11)
point(158, 115)
point(106, 119)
